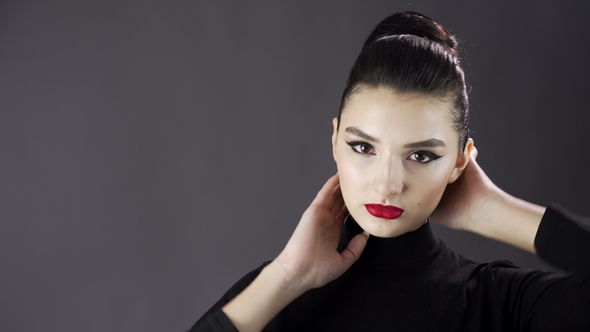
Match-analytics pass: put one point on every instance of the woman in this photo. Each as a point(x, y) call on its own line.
point(400, 139)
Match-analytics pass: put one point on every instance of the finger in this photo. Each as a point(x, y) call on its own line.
point(342, 215)
point(336, 201)
point(333, 196)
point(355, 248)
point(324, 194)
point(474, 153)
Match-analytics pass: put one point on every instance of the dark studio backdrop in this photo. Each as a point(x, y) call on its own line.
point(153, 152)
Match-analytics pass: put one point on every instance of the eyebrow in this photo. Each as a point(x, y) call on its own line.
point(361, 134)
point(429, 143)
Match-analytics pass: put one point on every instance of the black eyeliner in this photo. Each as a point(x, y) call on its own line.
point(353, 144)
point(430, 155)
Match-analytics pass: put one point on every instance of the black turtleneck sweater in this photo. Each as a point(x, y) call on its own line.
point(414, 282)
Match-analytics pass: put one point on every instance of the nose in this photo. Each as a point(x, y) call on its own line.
point(388, 180)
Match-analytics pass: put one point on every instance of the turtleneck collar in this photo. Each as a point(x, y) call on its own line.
point(408, 248)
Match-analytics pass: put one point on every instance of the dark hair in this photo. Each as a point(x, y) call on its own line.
point(411, 53)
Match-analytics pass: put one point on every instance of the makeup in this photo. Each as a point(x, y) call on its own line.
point(384, 211)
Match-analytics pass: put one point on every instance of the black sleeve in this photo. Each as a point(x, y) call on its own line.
point(563, 239)
point(550, 301)
point(215, 320)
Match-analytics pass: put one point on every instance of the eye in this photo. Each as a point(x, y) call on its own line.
point(423, 157)
point(361, 147)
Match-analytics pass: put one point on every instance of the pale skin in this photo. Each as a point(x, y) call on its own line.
point(475, 204)
point(396, 150)
point(470, 202)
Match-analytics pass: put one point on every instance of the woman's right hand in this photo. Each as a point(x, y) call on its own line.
point(310, 260)
point(310, 255)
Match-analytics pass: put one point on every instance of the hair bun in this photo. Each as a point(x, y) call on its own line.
point(413, 23)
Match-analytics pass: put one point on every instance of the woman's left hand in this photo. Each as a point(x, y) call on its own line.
point(463, 200)
point(474, 203)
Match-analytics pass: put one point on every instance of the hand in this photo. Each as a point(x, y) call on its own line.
point(310, 255)
point(464, 200)
point(474, 203)
point(309, 260)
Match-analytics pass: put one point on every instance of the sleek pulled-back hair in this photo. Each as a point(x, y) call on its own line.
point(411, 53)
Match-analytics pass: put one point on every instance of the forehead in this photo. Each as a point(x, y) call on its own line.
point(405, 117)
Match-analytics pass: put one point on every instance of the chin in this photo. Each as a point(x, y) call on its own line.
point(385, 228)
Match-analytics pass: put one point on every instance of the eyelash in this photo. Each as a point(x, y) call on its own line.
point(357, 144)
point(429, 155)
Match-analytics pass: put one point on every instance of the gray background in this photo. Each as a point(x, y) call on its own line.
point(153, 152)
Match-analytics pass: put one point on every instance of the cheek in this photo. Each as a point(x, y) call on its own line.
point(346, 174)
point(429, 189)
point(433, 196)
point(351, 176)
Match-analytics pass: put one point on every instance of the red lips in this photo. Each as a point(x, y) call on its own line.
point(384, 211)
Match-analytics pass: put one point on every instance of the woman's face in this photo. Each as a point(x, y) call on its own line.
point(395, 155)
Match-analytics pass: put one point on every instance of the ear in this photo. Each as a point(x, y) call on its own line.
point(462, 161)
point(334, 137)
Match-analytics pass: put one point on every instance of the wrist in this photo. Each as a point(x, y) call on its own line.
point(508, 219)
point(263, 299)
point(290, 278)
point(483, 218)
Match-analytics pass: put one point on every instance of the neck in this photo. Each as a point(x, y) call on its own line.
point(408, 248)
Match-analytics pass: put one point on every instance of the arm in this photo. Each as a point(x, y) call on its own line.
point(533, 300)
point(474, 203)
point(309, 260)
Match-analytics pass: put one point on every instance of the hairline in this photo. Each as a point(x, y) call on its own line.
point(445, 97)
